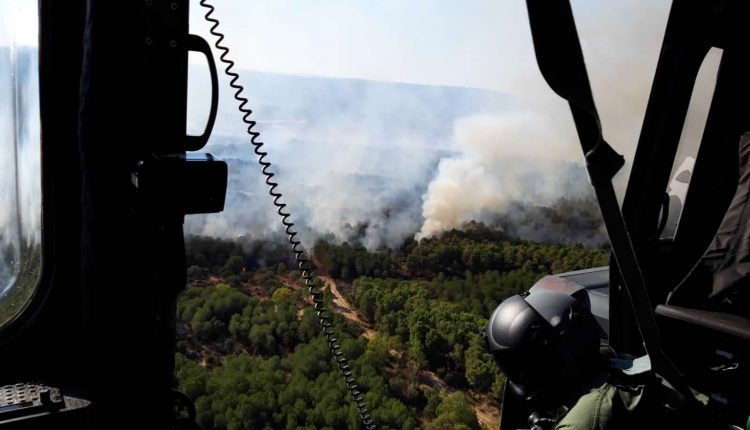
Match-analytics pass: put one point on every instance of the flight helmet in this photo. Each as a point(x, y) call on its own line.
point(545, 343)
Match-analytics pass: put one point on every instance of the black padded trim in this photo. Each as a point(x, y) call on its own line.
point(734, 325)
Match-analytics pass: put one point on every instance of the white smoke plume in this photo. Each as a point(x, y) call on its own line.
point(376, 163)
point(526, 157)
point(353, 157)
point(503, 159)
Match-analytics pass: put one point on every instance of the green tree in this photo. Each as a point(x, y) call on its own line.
point(233, 266)
point(433, 401)
point(455, 412)
point(191, 376)
point(378, 350)
point(194, 272)
point(283, 297)
point(481, 368)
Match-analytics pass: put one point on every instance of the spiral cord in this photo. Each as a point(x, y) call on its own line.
point(303, 262)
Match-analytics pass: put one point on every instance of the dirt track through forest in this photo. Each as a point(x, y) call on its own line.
point(343, 307)
point(488, 416)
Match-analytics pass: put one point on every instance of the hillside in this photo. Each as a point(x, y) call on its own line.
point(251, 356)
point(355, 158)
point(287, 105)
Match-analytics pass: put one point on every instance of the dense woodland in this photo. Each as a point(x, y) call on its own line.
point(251, 356)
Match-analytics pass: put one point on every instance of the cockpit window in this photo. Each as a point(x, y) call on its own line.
point(20, 174)
point(690, 139)
point(621, 41)
point(430, 171)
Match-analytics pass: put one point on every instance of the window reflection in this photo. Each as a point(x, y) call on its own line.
point(20, 177)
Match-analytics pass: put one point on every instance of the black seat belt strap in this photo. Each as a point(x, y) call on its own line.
point(560, 59)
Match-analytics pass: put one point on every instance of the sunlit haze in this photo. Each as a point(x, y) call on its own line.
point(493, 149)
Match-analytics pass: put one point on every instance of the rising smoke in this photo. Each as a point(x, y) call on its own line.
point(378, 163)
point(503, 159)
point(531, 158)
point(353, 157)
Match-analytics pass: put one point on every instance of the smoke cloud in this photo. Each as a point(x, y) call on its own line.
point(378, 163)
point(532, 158)
point(502, 159)
point(353, 157)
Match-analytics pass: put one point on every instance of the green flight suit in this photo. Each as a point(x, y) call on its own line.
point(616, 401)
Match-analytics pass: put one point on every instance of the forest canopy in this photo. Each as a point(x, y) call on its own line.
point(251, 355)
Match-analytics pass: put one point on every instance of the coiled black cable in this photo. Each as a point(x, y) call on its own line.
point(299, 254)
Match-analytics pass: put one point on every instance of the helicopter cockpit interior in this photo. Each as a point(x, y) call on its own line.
point(90, 324)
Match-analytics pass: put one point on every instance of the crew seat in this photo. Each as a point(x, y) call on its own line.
point(706, 320)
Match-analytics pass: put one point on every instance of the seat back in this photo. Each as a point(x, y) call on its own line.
point(720, 279)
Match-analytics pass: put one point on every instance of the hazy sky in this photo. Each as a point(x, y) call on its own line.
point(465, 43)
point(18, 22)
point(470, 43)
point(475, 43)
point(497, 155)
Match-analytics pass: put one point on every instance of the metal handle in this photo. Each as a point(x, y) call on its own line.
point(198, 44)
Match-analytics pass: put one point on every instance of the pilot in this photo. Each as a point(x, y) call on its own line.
point(548, 345)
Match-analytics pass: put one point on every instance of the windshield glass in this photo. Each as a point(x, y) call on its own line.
point(20, 174)
point(431, 172)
